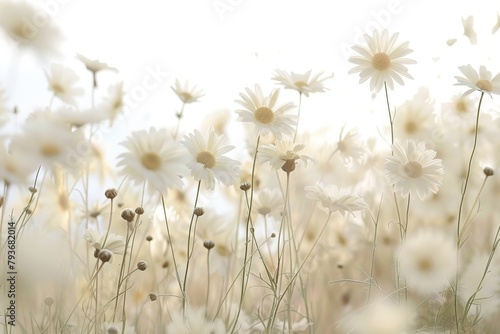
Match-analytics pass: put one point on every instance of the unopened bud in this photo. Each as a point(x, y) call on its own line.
point(488, 171)
point(273, 235)
point(111, 193)
point(105, 255)
point(139, 210)
point(48, 301)
point(208, 244)
point(149, 238)
point(32, 190)
point(199, 212)
point(128, 215)
point(153, 296)
point(142, 265)
point(245, 186)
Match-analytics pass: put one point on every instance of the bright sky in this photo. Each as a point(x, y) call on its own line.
point(223, 46)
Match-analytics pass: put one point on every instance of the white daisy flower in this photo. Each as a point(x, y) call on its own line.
point(194, 321)
point(481, 81)
point(113, 242)
point(185, 93)
point(94, 65)
point(14, 169)
point(381, 317)
point(349, 145)
point(15, 20)
point(47, 140)
point(302, 83)
point(335, 199)
point(268, 202)
point(469, 31)
point(61, 83)
point(114, 102)
point(413, 169)
point(153, 156)
point(427, 259)
point(207, 162)
point(266, 117)
point(381, 60)
point(283, 154)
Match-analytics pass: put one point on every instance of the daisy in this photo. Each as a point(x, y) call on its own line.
point(153, 156)
point(194, 321)
point(113, 242)
point(481, 81)
point(266, 117)
point(207, 162)
point(15, 21)
point(186, 94)
point(14, 169)
point(283, 154)
point(48, 140)
point(428, 261)
point(302, 83)
point(382, 60)
point(114, 102)
point(349, 145)
point(94, 65)
point(61, 83)
point(268, 202)
point(413, 169)
point(469, 32)
point(335, 199)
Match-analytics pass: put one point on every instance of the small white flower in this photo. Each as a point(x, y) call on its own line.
point(413, 169)
point(335, 199)
point(469, 32)
point(61, 83)
point(381, 60)
point(427, 260)
point(349, 145)
point(283, 153)
point(207, 162)
point(114, 242)
point(153, 156)
point(265, 115)
point(185, 93)
point(302, 83)
point(114, 102)
point(268, 202)
point(481, 81)
point(194, 321)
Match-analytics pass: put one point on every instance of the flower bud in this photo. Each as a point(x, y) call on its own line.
point(49, 301)
point(149, 238)
point(105, 255)
point(153, 296)
point(128, 215)
point(199, 212)
point(139, 210)
point(208, 244)
point(488, 171)
point(111, 193)
point(142, 265)
point(245, 186)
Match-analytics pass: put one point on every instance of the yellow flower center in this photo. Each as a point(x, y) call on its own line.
point(300, 83)
point(264, 115)
point(484, 85)
point(185, 96)
point(50, 150)
point(151, 160)
point(413, 169)
point(205, 158)
point(461, 106)
point(57, 88)
point(411, 127)
point(425, 265)
point(381, 61)
point(264, 210)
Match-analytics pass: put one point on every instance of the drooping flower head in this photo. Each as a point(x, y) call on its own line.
point(207, 162)
point(283, 154)
point(381, 60)
point(413, 169)
point(264, 114)
point(61, 83)
point(481, 81)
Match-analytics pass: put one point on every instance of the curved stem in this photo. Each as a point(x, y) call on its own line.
point(298, 117)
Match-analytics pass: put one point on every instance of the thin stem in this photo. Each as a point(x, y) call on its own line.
point(247, 228)
point(298, 117)
point(391, 119)
point(208, 282)
point(191, 235)
point(179, 117)
point(462, 199)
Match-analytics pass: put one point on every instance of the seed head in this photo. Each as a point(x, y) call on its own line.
point(139, 210)
point(199, 211)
